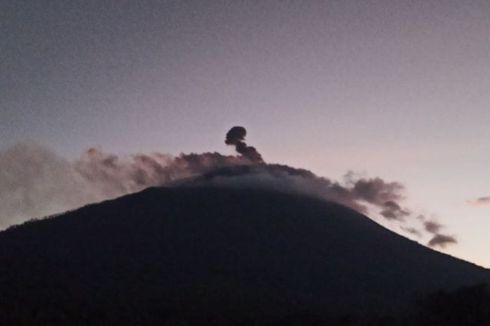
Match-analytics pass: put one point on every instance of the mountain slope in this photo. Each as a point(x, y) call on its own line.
point(220, 253)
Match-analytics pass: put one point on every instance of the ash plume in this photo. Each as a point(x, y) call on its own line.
point(36, 182)
point(236, 137)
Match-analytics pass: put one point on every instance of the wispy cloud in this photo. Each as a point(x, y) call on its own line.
point(482, 201)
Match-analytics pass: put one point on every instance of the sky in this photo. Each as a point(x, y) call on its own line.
point(396, 89)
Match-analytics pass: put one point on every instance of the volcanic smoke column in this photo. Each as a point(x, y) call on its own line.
point(236, 136)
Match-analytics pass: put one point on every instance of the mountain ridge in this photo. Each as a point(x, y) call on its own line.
point(221, 250)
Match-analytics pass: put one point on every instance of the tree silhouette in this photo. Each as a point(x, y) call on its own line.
point(468, 306)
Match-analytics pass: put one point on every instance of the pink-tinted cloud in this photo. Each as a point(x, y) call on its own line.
point(482, 201)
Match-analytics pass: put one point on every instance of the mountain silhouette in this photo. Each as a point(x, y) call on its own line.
point(211, 255)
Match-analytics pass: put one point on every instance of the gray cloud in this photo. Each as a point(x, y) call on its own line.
point(393, 211)
point(35, 182)
point(378, 191)
point(441, 240)
point(432, 227)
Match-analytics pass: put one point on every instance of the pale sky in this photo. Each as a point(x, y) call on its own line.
point(396, 89)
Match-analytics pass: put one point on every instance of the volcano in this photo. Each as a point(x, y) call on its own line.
point(211, 255)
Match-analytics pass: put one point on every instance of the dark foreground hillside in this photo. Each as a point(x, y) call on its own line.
point(219, 256)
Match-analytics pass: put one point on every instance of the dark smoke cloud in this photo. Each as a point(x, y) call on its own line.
point(378, 191)
point(442, 240)
point(432, 227)
point(482, 201)
point(35, 182)
point(236, 137)
point(393, 211)
point(438, 239)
